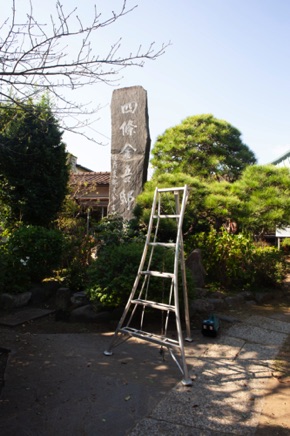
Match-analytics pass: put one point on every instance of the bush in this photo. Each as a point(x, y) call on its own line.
point(236, 262)
point(14, 276)
point(78, 246)
point(77, 258)
point(113, 273)
point(39, 250)
point(285, 244)
point(270, 267)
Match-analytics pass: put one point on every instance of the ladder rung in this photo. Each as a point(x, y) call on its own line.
point(151, 337)
point(167, 216)
point(154, 304)
point(162, 244)
point(158, 274)
point(170, 189)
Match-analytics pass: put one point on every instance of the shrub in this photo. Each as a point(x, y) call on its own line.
point(285, 244)
point(14, 276)
point(237, 262)
point(113, 273)
point(77, 258)
point(270, 267)
point(38, 249)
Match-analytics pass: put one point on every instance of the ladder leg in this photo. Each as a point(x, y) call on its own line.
point(186, 379)
point(185, 298)
point(182, 265)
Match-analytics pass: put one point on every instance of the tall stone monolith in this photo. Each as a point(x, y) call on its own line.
point(130, 149)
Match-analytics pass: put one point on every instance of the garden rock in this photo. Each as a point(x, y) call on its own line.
point(201, 306)
point(22, 299)
point(246, 295)
point(263, 297)
point(87, 313)
point(218, 303)
point(6, 301)
point(194, 264)
point(41, 293)
point(10, 301)
point(234, 300)
point(200, 292)
point(79, 299)
point(217, 294)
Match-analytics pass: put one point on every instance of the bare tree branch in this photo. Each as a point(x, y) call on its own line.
point(36, 58)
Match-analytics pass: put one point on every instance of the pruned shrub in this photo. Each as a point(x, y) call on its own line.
point(14, 276)
point(236, 262)
point(112, 274)
point(37, 249)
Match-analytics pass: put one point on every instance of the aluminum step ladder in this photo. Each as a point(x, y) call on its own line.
point(168, 204)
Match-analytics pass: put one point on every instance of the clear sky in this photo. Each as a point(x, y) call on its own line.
point(230, 58)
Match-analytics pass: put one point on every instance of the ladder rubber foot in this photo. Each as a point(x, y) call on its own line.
point(108, 353)
point(189, 339)
point(187, 382)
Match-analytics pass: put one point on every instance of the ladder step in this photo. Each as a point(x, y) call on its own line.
point(171, 189)
point(163, 244)
point(167, 216)
point(154, 304)
point(158, 274)
point(151, 337)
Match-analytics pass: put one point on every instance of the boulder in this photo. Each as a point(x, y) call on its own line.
point(201, 306)
point(234, 300)
point(87, 313)
point(11, 301)
point(6, 301)
point(22, 299)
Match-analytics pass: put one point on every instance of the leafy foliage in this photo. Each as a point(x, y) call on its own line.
point(202, 146)
point(33, 168)
point(112, 274)
point(114, 230)
point(264, 191)
point(236, 262)
point(194, 216)
point(285, 244)
point(14, 276)
point(258, 202)
point(78, 252)
point(29, 254)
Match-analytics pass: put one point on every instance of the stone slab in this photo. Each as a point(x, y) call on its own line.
point(23, 315)
point(203, 408)
point(258, 335)
point(267, 323)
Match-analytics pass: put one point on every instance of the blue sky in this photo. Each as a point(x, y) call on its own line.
point(230, 58)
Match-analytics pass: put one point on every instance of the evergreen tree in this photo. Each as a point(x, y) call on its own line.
point(33, 163)
point(202, 146)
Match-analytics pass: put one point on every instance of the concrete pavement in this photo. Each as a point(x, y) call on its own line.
point(62, 384)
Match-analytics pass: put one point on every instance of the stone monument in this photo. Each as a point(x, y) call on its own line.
point(130, 149)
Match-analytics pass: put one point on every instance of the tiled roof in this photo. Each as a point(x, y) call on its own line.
point(100, 178)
